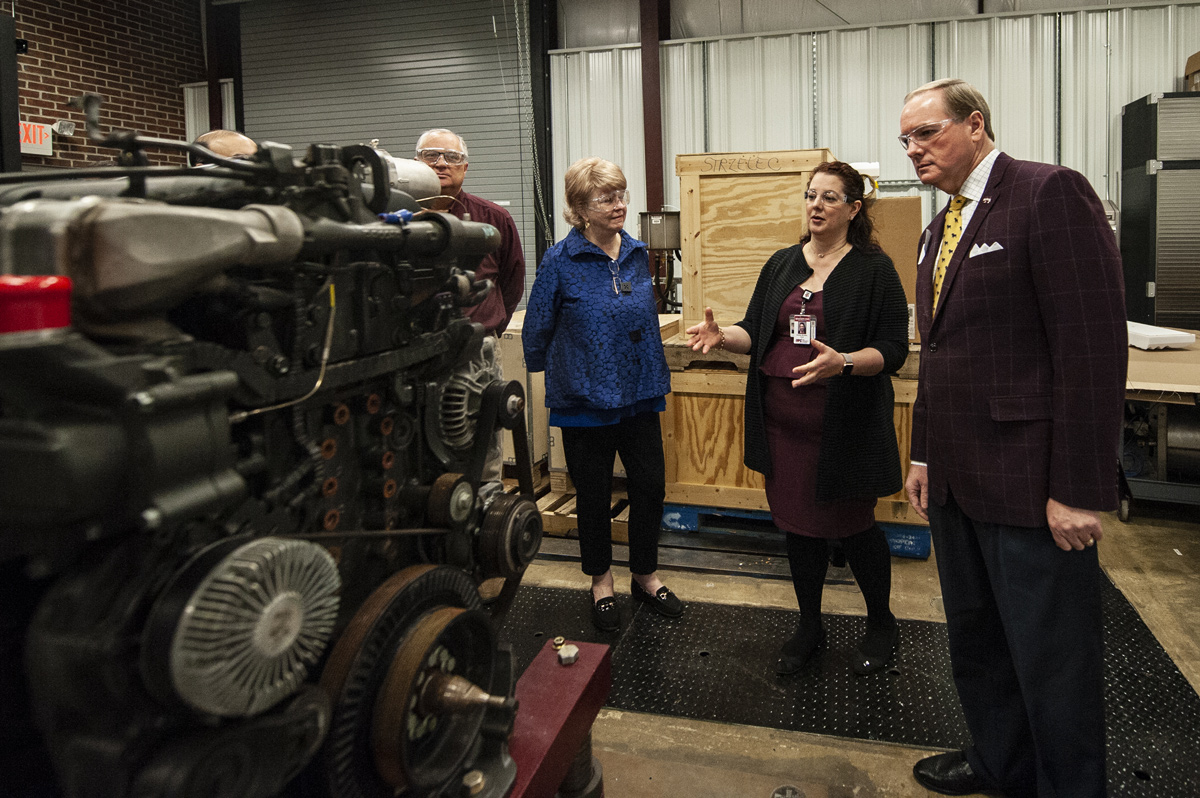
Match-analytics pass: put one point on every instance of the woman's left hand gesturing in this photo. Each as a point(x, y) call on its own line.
point(828, 363)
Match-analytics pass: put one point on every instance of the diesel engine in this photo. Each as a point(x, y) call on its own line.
point(243, 422)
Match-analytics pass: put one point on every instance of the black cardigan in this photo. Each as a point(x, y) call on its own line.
point(864, 305)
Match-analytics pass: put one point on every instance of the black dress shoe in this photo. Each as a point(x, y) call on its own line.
point(799, 651)
point(949, 774)
point(664, 602)
point(876, 650)
point(605, 615)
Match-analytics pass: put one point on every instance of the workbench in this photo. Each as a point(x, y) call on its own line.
point(1168, 381)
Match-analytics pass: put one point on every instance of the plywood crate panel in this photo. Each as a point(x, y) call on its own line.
point(898, 229)
point(537, 417)
point(703, 430)
point(896, 508)
point(736, 210)
point(703, 436)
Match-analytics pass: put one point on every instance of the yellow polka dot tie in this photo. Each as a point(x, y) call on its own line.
point(951, 233)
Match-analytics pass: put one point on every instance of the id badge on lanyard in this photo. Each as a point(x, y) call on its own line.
point(804, 325)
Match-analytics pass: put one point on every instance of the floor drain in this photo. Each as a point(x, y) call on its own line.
point(787, 791)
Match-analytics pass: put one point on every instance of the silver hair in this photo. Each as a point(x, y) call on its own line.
point(435, 131)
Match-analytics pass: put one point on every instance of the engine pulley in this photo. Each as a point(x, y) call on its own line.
point(451, 502)
point(423, 622)
point(424, 726)
point(509, 537)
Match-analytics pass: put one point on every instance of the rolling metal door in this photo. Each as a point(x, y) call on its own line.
point(356, 70)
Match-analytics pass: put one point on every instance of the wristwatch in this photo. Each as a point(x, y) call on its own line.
point(849, 367)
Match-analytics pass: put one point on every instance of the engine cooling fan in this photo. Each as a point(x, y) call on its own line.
point(240, 625)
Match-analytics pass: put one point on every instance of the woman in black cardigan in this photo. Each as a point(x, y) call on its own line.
point(826, 327)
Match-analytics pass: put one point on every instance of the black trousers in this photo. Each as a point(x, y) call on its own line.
point(1026, 652)
point(591, 453)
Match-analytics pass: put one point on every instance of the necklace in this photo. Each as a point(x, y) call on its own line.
point(839, 248)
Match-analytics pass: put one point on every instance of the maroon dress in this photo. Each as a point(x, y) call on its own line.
point(793, 426)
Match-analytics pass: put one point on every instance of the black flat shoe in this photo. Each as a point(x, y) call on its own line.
point(664, 602)
point(949, 774)
point(876, 650)
point(799, 651)
point(605, 615)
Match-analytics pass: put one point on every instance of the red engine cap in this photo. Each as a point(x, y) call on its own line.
point(40, 302)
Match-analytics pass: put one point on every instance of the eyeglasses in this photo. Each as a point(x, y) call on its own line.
point(610, 200)
point(828, 197)
point(430, 156)
point(924, 134)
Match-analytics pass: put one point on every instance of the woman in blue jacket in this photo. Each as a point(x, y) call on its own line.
point(592, 326)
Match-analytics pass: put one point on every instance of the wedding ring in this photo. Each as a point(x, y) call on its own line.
point(1091, 542)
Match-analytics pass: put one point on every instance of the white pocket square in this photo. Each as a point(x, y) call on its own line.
point(983, 249)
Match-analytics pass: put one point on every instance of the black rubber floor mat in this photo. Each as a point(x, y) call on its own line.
point(1153, 713)
point(717, 663)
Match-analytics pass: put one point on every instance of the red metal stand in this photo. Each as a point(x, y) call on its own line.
point(558, 704)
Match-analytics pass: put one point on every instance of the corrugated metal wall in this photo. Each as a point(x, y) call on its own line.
point(1056, 83)
point(587, 23)
point(390, 71)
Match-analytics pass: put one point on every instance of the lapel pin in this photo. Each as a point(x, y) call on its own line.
point(986, 200)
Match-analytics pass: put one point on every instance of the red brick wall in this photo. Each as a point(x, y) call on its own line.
point(134, 53)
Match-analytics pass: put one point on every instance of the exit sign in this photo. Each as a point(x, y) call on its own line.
point(36, 139)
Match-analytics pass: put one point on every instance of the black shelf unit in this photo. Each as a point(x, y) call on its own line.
point(1160, 200)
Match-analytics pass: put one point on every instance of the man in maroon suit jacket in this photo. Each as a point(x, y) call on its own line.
point(1014, 447)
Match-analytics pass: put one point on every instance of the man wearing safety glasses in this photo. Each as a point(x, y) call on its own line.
point(446, 153)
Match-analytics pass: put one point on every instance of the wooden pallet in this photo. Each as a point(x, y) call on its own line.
point(541, 478)
point(559, 517)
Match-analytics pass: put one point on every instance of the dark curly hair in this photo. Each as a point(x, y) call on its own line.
point(861, 233)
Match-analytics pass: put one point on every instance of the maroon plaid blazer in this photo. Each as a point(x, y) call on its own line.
point(1022, 375)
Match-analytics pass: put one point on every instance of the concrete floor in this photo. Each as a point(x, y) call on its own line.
point(1154, 560)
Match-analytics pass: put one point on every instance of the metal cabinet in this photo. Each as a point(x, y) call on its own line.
point(1160, 202)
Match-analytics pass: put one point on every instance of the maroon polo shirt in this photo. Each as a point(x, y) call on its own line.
point(505, 267)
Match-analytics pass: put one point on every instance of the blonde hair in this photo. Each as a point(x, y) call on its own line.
point(583, 179)
point(961, 98)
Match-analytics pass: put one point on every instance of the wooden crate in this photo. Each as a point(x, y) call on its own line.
point(735, 211)
point(537, 417)
point(703, 434)
point(895, 508)
point(898, 229)
point(703, 430)
point(738, 209)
